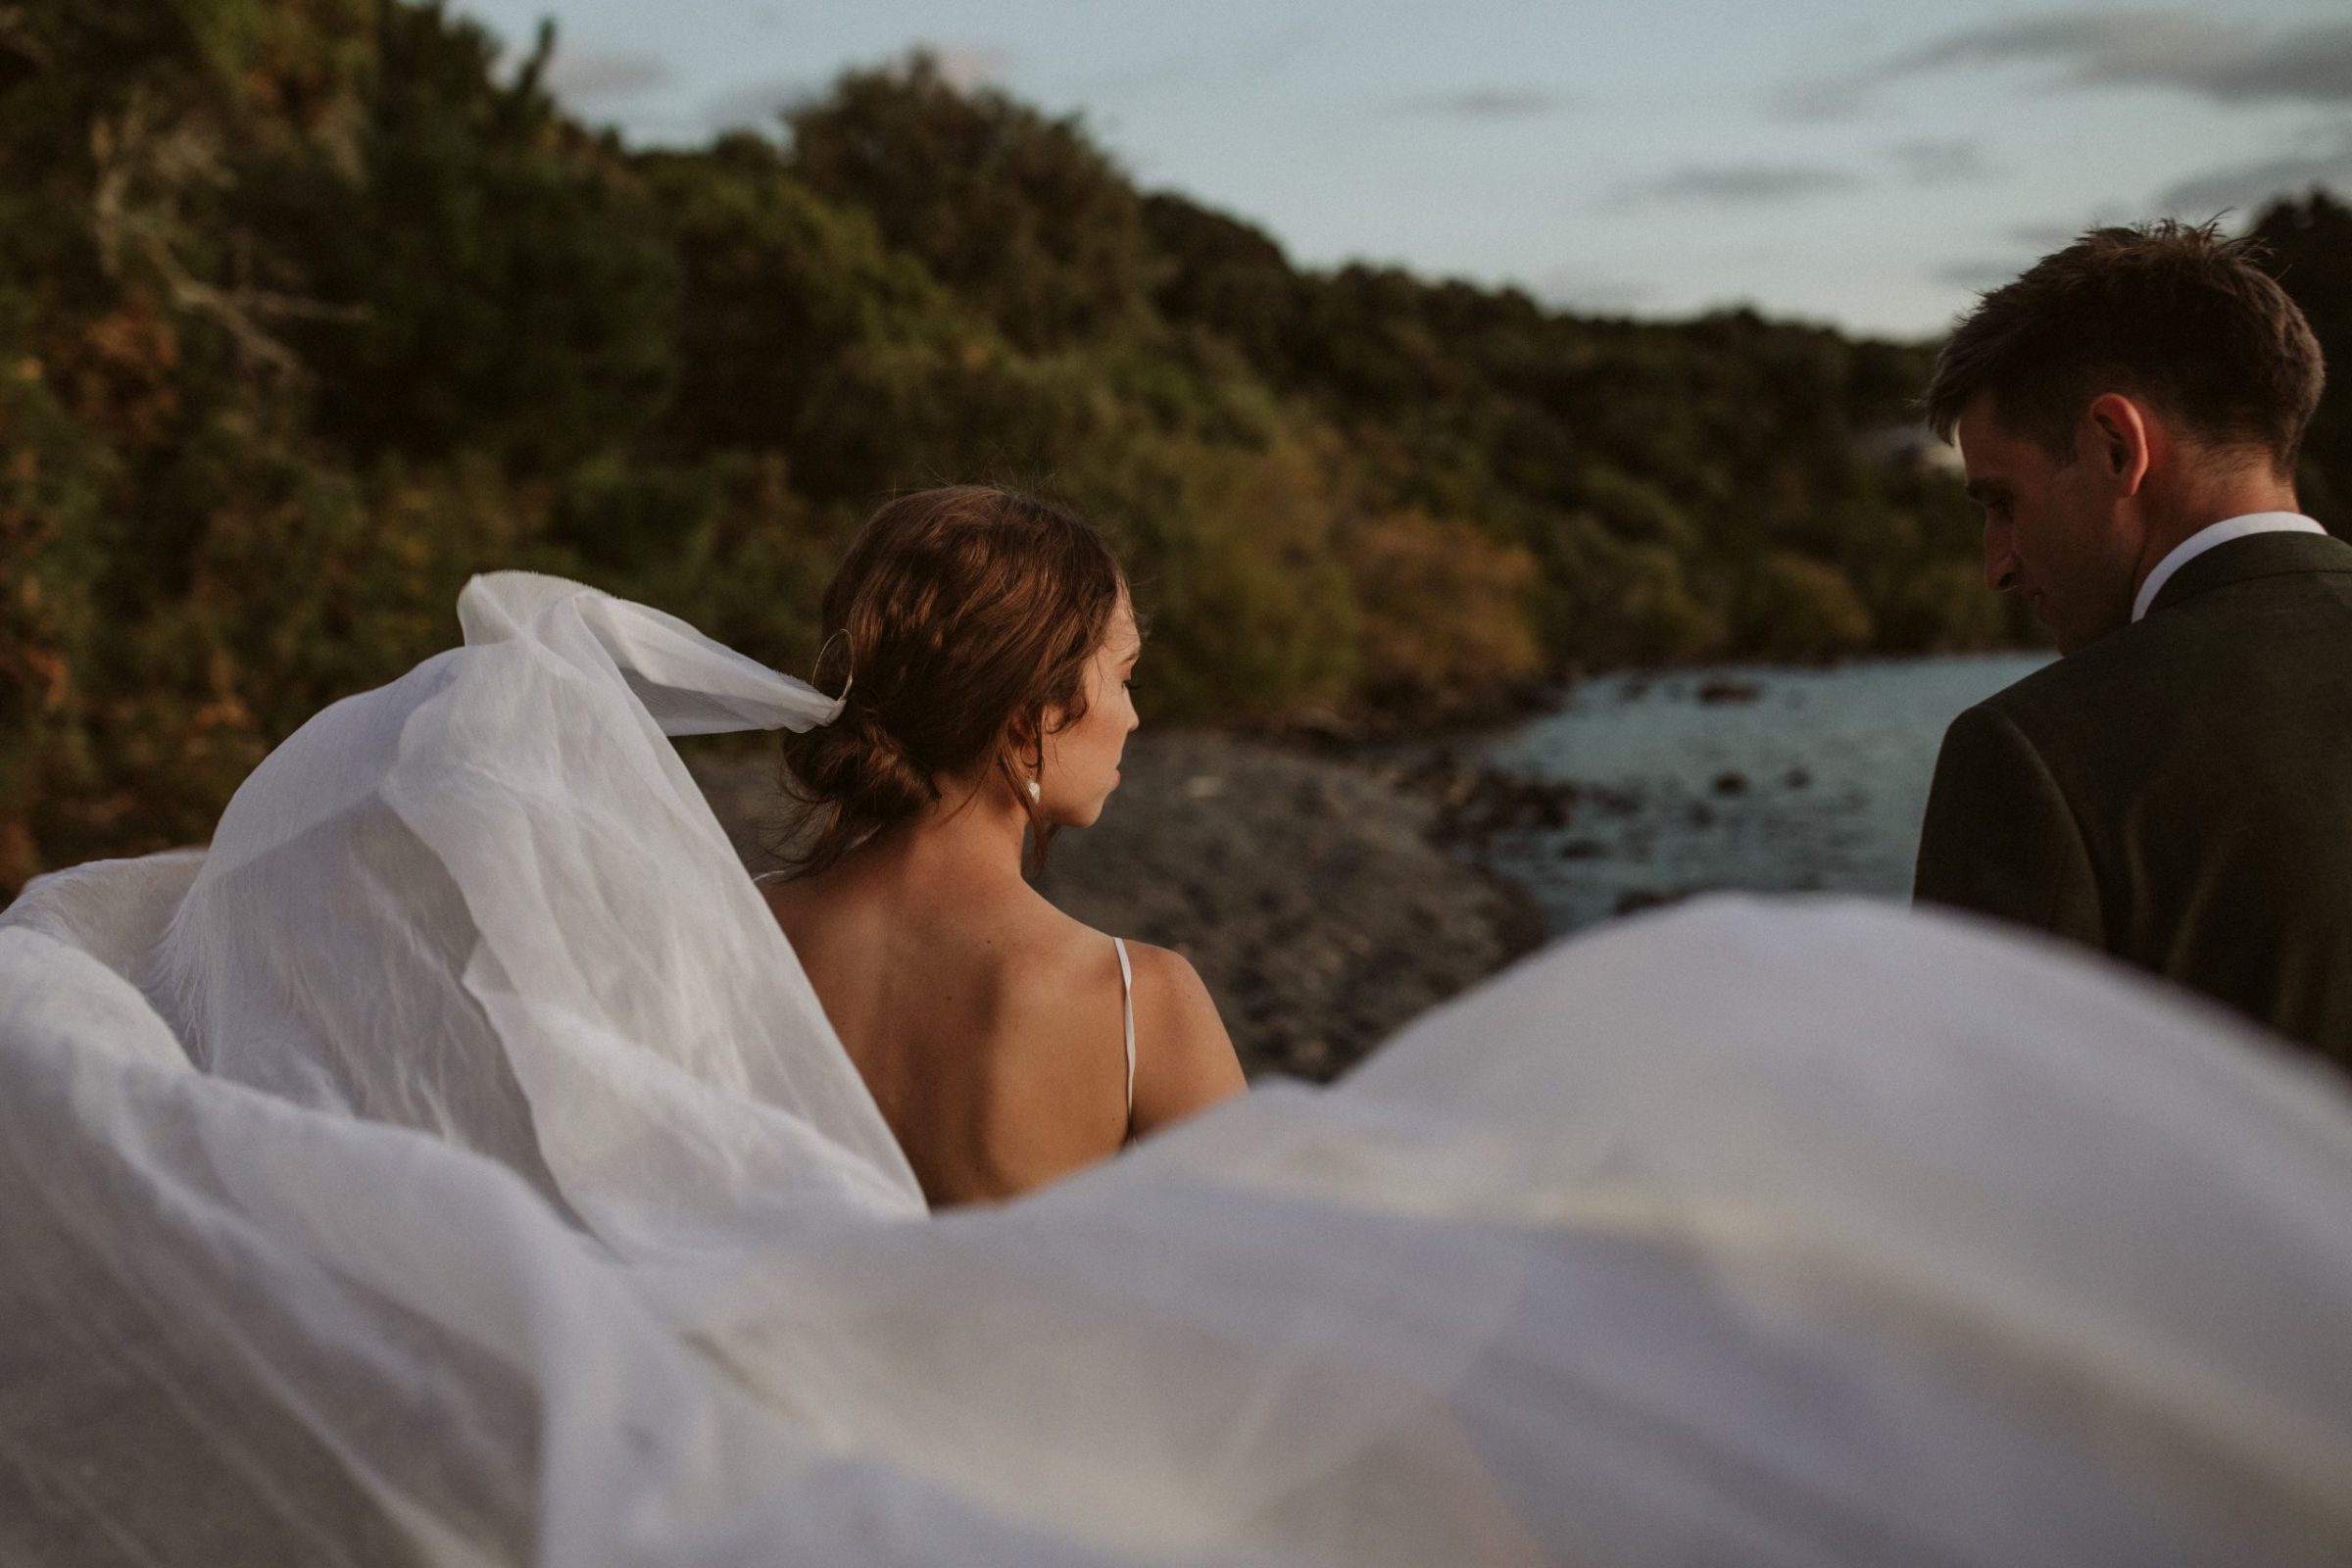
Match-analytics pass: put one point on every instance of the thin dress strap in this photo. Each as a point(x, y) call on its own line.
point(1127, 1013)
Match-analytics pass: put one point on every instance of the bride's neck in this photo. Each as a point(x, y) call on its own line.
point(968, 833)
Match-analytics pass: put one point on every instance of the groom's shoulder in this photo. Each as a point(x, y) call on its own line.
point(2126, 695)
point(2116, 668)
point(2205, 668)
point(2218, 649)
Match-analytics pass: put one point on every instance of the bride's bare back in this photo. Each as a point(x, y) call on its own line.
point(990, 1026)
point(990, 646)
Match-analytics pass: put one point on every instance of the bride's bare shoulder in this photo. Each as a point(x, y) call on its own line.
point(1184, 1059)
point(1069, 970)
point(1051, 954)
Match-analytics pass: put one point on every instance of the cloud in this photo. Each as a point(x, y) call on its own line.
point(2246, 188)
point(1741, 184)
point(2164, 49)
point(2102, 47)
point(1823, 99)
point(1942, 162)
point(588, 76)
point(1489, 103)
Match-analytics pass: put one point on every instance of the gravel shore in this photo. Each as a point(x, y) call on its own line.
point(1304, 887)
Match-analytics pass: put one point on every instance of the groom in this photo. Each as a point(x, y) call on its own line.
point(2177, 789)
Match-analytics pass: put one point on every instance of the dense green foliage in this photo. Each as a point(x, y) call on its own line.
point(307, 313)
point(2310, 249)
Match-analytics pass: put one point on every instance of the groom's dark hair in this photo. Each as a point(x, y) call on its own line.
point(2170, 313)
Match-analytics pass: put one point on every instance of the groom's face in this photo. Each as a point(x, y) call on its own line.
point(2052, 535)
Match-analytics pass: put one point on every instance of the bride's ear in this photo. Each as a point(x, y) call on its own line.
point(1025, 746)
point(1021, 735)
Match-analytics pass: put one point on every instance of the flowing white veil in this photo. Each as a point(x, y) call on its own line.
point(453, 1164)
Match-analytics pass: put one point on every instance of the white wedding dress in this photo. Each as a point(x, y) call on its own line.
point(453, 1164)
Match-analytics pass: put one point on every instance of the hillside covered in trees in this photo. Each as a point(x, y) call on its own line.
point(308, 312)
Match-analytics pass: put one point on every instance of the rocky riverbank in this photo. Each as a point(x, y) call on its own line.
point(1308, 890)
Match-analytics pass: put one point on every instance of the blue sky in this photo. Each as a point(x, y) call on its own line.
point(1866, 163)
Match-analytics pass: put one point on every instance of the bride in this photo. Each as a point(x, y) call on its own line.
point(1005, 1043)
point(455, 1161)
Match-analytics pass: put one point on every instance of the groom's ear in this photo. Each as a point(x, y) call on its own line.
point(2119, 438)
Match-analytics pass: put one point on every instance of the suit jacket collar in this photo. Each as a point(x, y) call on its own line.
point(2262, 555)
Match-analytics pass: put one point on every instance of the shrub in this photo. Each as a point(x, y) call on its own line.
point(1442, 608)
point(1791, 607)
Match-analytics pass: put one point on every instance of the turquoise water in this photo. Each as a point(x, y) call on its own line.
point(1817, 782)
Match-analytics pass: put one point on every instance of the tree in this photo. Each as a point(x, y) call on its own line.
point(1237, 564)
point(779, 285)
point(307, 311)
point(2310, 251)
point(1443, 611)
point(508, 283)
point(1218, 273)
point(1803, 607)
point(1017, 211)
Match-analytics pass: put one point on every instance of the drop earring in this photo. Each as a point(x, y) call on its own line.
point(1037, 791)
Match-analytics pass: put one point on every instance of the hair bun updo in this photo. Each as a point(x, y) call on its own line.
point(958, 619)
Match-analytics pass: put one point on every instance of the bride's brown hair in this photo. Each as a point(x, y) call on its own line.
point(959, 618)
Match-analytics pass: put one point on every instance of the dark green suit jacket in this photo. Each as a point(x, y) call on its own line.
point(2180, 792)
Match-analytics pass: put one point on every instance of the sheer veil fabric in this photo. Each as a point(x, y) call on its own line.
point(453, 1164)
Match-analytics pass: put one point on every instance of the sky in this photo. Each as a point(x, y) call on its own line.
point(1872, 164)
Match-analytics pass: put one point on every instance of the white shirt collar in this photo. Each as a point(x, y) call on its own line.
point(2218, 533)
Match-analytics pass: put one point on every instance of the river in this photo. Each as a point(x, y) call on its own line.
point(1740, 776)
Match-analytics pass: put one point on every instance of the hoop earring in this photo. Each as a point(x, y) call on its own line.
point(818, 668)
